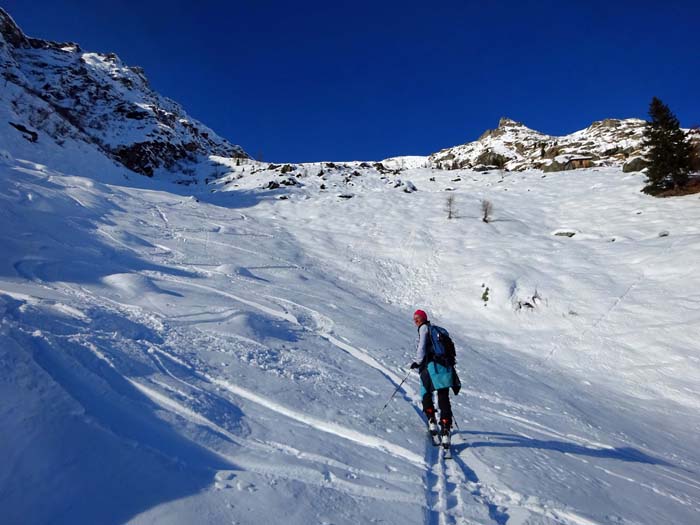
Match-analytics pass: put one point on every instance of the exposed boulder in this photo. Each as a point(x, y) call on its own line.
point(553, 166)
point(490, 158)
point(31, 136)
point(634, 164)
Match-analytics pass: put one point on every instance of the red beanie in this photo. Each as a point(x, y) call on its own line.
point(421, 314)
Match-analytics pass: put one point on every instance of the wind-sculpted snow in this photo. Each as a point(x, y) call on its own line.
point(224, 357)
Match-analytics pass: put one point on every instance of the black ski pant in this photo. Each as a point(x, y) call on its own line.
point(443, 398)
point(443, 402)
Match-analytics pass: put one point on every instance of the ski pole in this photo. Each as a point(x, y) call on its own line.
point(392, 395)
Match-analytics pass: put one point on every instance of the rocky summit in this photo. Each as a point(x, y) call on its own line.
point(57, 91)
point(514, 146)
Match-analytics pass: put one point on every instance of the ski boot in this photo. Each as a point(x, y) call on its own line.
point(445, 440)
point(432, 427)
point(432, 422)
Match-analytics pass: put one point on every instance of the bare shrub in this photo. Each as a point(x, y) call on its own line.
point(450, 207)
point(486, 210)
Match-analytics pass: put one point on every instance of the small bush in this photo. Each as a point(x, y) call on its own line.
point(485, 294)
point(450, 207)
point(486, 210)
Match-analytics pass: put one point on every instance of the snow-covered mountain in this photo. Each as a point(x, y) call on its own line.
point(221, 353)
point(514, 146)
point(56, 92)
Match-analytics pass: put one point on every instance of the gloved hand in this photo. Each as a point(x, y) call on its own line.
point(414, 365)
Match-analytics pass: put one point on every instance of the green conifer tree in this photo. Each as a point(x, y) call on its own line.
point(669, 150)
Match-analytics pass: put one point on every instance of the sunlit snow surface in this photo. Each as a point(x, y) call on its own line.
point(223, 359)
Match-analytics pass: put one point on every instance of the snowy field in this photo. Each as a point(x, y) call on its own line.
point(222, 358)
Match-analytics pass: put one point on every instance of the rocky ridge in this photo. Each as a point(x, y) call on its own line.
point(513, 146)
point(56, 90)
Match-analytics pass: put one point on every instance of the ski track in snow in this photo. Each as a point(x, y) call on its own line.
point(308, 475)
point(486, 503)
point(465, 489)
point(315, 423)
point(299, 473)
point(324, 426)
point(446, 505)
point(447, 502)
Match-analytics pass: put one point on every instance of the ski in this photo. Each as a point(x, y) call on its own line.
point(434, 439)
point(446, 444)
point(447, 452)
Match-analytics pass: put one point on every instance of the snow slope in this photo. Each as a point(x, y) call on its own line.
point(222, 357)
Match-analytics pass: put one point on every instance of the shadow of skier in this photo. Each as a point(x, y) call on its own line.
point(501, 440)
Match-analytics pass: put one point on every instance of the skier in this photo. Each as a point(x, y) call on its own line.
point(434, 377)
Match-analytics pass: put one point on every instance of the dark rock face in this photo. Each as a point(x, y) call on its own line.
point(145, 157)
point(11, 33)
point(491, 158)
point(62, 92)
point(31, 136)
point(553, 166)
point(635, 164)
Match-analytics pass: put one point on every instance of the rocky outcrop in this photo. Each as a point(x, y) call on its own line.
point(634, 164)
point(60, 91)
point(514, 146)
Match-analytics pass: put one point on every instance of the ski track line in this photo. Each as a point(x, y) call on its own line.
point(441, 504)
point(441, 486)
point(329, 462)
point(542, 429)
point(448, 501)
point(170, 388)
point(328, 480)
point(505, 504)
point(163, 217)
point(176, 235)
point(326, 326)
point(601, 319)
point(442, 496)
point(455, 475)
point(266, 309)
point(325, 330)
point(159, 363)
point(432, 490)
point(680, 478)
point(324, 426)
point(349, 434)
point(352, 435)
point(300, 473)
point(652, 488)
point(266, 447)
point(497, 400)
point(361, 355)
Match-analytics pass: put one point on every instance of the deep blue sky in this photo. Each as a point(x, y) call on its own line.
point(303, 81)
